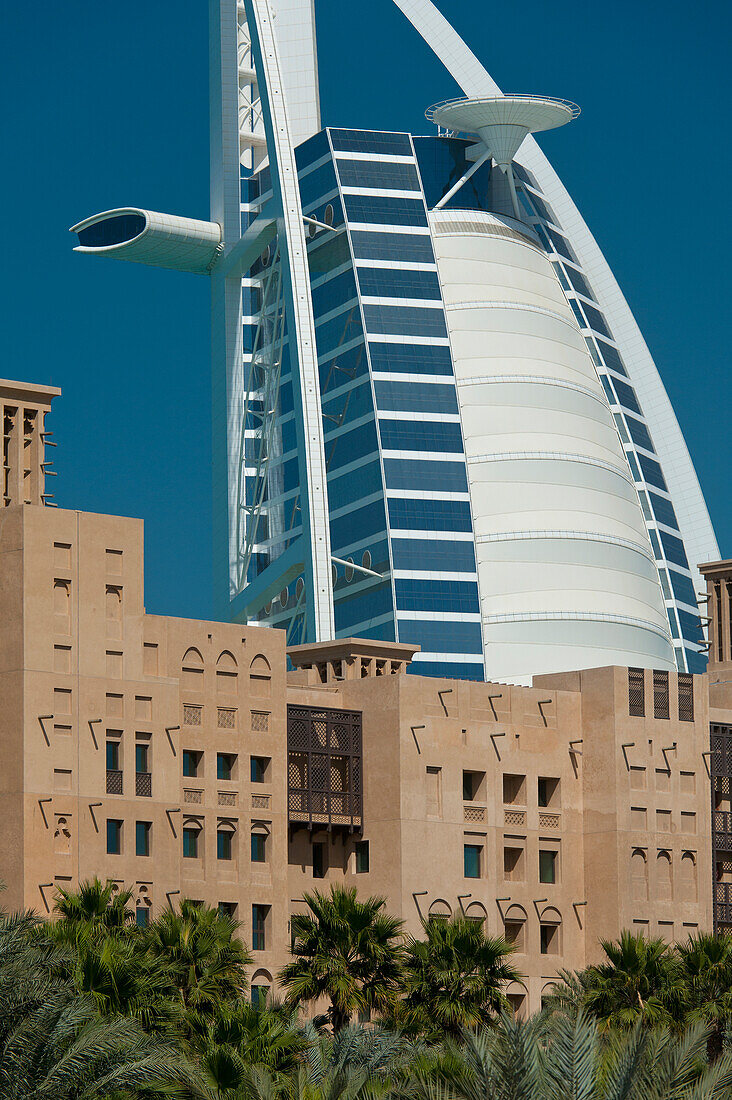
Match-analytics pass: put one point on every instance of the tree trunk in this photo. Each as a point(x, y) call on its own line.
point(715, 1042)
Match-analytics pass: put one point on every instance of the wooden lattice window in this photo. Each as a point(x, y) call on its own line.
point(686, 697)
point(636, 693)
point(192, 715)
point(660, 694)
point(226, 719)
point(260, 721)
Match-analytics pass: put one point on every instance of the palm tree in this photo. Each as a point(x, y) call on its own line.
point(240, 1035)
point(347, 951)
point(706, 972)
point(454, 978)
point(95, 910)
point(641, 980)
point(204, 958)
point(59, 1048)
point(568, 1057)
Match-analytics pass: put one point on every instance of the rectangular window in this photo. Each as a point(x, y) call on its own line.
point(319, 867)
point(385, 175)
point(416, 397)
point(224, 844)
point(225, 762)
point(407, 247)
point(113, 755)
point(114, 837)
point(387, 210)
point(259, 994)
point(513, 864)
point(362, 857)
point(430, 515)
point(686, 697)
point(399, 282)
point(190, 843)
point(473, 786)
point(259, 848)
point(258, 768)
point(548, 792)
point(227, 909)
point(191, 762)
point(448, 475)
point(636, 693)
point(460, 597)
point(547, 867)
point(142, 761)
point(660, 694)
point(259, 927)
point(410, 358)
point(549, 939)
point(143, 829)
point(514, 790)
point(371, 141)
point(142, 916)
point(404, 320)
point(433, 778)
point(472, 858)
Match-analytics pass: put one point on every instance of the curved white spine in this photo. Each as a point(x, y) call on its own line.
point(673, 453)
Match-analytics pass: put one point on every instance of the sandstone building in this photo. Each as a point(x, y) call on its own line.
point(180, 758)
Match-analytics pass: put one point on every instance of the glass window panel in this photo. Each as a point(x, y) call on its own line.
point(224, 844)
point(596, 319)
point(561, 245)
point(611, 356)
point(652, 472)
point(441, 637)
point(362, 857)
point(411, 396)
point(405, 473)
point(579, 282)
point(190, 843)
point(321, 181)
point(471, 860)
point(371, 141)
point(674, 549)
point(457, 670)
point(690, 626)
point(683, 587)
point(430, 515)
point(664, 510)
point(639, 433)
point(357, 525)
point(383, 282)
point(114, 837)
point(433, 555)
point(410, 358)
point(626, 396)
point(354, 484)
point(380, 210)
point(142, 838)
point(333, 293)
point(259, 848)
point(369, 245)
point(371, 604)
point(420, 435)
point(432, 595)
point(312, 149)
point(404, 320)
point(577, 313)
point(388, 175)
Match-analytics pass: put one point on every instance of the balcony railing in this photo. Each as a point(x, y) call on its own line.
point(143, 784)
point(114, 781)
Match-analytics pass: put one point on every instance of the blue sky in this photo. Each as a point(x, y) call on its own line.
point(106, 106)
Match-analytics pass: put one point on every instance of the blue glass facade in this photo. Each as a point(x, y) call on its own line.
point(397, 485)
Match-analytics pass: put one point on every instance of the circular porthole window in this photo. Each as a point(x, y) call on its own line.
point(266, 257)
point(268, 608)
point(284, 596)
point(349, 570)
point(329, 214)
point(312, 229)
point(299, 587)
point(334, 574)
point(366, 559)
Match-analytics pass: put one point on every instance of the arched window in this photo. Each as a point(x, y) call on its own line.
point(61, 597)
point(687, 877)
point(664, 883)
point(62, 836)
point(440, 910)
point(550, 931)
point(261, 985)
point(192, 670)
point(476, 912)
point(639, 875)
point(192, 838)
point(514, 927)
point(226, 673)
point(260, 676)
point(225, 833)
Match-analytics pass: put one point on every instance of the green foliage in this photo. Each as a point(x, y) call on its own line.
point(347, 951)
point(453, 979)
point(91, 1006)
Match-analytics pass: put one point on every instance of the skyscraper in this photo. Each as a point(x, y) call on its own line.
point(436, 420)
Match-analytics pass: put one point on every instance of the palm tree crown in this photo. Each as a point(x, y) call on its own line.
point(345, 950)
